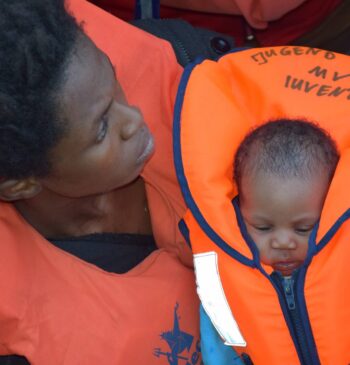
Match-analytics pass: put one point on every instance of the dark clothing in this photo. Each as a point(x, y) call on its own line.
point(111, 252)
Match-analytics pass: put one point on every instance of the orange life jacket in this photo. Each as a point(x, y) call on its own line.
point(218, 102)
point(149, 74)
point(58, 309)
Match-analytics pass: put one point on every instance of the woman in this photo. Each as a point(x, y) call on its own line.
point(72, 150)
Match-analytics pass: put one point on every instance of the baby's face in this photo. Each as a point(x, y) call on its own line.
point(279, 214)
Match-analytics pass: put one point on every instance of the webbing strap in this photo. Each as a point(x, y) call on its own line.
point(147, 9)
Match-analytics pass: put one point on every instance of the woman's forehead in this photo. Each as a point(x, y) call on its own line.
point(89, 82)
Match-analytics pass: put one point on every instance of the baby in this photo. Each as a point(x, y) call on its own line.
point(283, 170)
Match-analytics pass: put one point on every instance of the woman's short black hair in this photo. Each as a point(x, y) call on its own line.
point(37, 39)
point(286, 148)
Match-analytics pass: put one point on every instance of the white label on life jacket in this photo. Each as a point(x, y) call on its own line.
point(212, 296)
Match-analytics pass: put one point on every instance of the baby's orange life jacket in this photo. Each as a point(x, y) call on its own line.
point(218, 102)
point(56, 309)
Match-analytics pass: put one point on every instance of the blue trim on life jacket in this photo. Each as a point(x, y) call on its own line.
point(285, 311)
point(181, 174)
point(300, 347)
point(185, 231)
point(333, 230)
point(139, 7)
point(244, 232)
point(302, 309)
point(300, 284)
point(313, 249)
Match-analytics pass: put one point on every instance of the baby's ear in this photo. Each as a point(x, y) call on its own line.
point(18, 189)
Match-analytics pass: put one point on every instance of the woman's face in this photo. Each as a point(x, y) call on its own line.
point(106, 142)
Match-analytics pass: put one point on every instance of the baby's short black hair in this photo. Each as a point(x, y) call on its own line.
point(286, 148)
point(37, 39)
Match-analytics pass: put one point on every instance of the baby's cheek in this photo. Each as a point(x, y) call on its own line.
point(265, 260)
point(264, 252)
point(303, 249)
point(262, 244)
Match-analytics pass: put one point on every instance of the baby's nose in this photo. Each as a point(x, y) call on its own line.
point(283, 241)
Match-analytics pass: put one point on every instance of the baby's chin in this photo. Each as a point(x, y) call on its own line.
point(286, 268)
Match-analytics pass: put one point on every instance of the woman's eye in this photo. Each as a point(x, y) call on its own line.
point(103, 128)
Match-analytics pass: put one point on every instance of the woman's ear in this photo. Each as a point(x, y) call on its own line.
point(18, 189)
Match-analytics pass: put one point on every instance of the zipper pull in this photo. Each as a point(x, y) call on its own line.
point(289, 292)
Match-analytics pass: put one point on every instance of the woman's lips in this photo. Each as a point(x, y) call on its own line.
point(286, 268)
point(147, 149)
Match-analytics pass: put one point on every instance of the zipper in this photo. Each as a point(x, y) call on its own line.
point(288, 296)
point(288, 289)
point(183, 49)
point(177, 42)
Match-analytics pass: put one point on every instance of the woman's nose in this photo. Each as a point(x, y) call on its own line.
point(283, 241)
point(131, 121)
